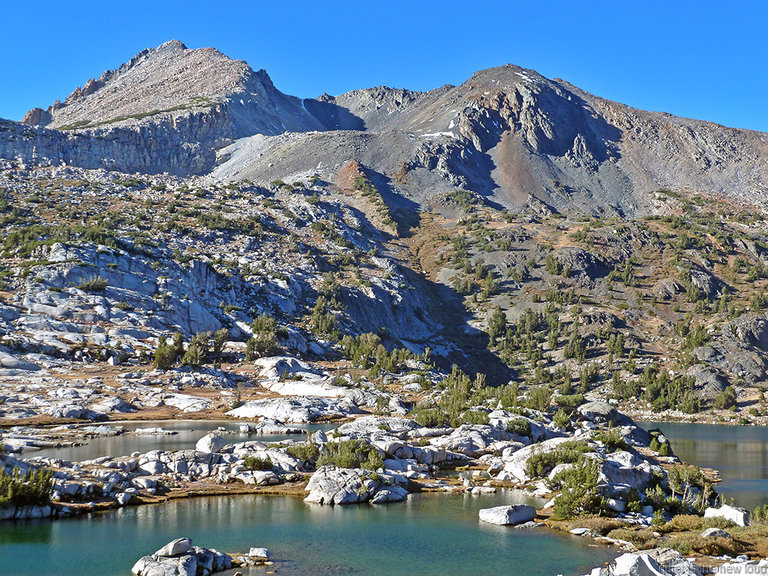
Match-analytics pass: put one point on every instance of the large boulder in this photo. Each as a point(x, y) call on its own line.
point(621, 471)
point(581, 264)
point(734, 359)
point(709, 381)
point(269, 426)
point(281, 367)
point(160, 566)
point(508, 515)
point(175, 548)
point(503, 419)
point(180, 558)
point(211, 443)
point(703, 280)
point(472, 439)
point(515, 462)
point(367, 425)
point(638, 565)
point(738, 516)
point(187, 402)
point(10, 362)
point(300, 409)
point(715, 533)
point(603, 413)
point(332, 485)
point(667, 289)
point(656, 562)
point(259, 553)
point(752, 330)
point(255, 557)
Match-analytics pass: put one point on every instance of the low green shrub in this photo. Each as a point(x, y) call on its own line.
point(307, 452)
point(430, 417)
point(257, 463)
point(519, 426)
point(571, 401)
point(32, 488)
point(167, 354)
point(682, 523)
point(561, 419)
point(580, 493)
point(97, 284)
point(538, 398)
point(472, 417)
point(760, 515)
point(198, 350)
point(261, 345)
point(664, 449)
point(726, 399)
point(693, 523)
point(643, 538)
point(351, 454)
point(367, 351)
point(541, 463)
point(612, 439)
point(655, 497)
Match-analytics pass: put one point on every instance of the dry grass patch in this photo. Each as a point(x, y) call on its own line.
point(642, 538)
point(596, 524)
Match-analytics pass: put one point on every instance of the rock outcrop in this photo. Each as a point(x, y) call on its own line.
point(180, 558)
point(166, 110)
point(507, 515)
point(657, 562)
point(337, 486)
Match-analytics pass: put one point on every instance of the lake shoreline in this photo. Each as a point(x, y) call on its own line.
point(295, 484)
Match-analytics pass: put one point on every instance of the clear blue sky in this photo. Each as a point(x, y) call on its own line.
point(701, 59)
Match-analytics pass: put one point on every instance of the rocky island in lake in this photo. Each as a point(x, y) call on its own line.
point(211, 289)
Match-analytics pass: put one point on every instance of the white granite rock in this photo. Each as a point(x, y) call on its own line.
point(738, 516)
point(507, 515)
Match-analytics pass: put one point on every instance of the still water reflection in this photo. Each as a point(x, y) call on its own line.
point(740, 453)
point(187, 434)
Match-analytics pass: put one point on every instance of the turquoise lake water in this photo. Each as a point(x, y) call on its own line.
point(430, 534)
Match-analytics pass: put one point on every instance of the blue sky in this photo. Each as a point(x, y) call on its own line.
point(702, 59)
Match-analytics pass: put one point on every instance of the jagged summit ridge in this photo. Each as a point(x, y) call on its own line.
point(173, 80)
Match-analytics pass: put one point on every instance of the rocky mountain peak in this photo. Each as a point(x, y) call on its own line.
point(168, 78)
point(505, 77)
point(171, 46)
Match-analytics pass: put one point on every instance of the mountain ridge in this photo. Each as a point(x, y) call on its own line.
point(507, 133)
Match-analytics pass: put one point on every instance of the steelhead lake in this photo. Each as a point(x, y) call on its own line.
point(426, 535)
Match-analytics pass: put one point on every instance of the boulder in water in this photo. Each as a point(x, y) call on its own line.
point(180, 558)
point(508, 515)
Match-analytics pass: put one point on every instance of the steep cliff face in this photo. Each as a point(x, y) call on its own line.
point(152, 148)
